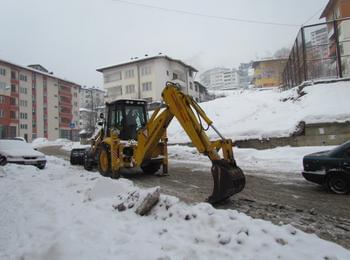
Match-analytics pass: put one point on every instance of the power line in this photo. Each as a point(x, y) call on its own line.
point(232, 19)
point(308, 20)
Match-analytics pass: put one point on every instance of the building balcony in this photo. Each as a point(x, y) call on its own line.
point(66, 115)
point(65, 94)
point(65, 104)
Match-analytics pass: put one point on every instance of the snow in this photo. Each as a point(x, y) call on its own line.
point(64, 212)
point(17, 148)
point(65, 144)
point(250, 114)
point(281, 162)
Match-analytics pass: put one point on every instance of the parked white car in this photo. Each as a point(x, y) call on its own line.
point(15, 151)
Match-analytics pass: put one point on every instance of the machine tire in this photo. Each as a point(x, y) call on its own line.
point(3, 160)
point(88, 163)
point(338, 183)
point(151, 168)
point(104, 161)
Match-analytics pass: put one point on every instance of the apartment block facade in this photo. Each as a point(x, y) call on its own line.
point(146, 78)
point(220, 78)
point(35, 103)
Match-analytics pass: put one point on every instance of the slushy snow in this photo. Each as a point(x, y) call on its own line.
point(64, 212)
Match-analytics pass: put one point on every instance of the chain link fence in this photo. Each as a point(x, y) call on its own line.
point(320, 51)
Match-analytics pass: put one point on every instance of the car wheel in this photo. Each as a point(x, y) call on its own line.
point(41, 166)
point(338, 183)
point(3, 160)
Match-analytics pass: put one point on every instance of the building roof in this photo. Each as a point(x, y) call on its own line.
point(328, 7)
point(255, 63)
point(146, 59)
point(38, 71)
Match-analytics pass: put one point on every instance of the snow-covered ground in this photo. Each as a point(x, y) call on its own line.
point(280, 162)
point(64, 212)
point(269, 113)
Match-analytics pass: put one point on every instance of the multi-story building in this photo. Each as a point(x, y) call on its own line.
point(35, 103)
point(92, 97)
point(245, 75)
point(91, 101)
point(338, 35)
point(220, 78)
point(268, 73)
point(203, 92)
point(145, 78)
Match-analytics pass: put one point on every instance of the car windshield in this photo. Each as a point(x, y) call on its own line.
point(339, 149)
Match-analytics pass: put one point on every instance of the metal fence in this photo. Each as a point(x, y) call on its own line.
point(320, 51)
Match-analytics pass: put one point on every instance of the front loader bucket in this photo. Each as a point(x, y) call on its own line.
point(77, 156)
point(228, 180)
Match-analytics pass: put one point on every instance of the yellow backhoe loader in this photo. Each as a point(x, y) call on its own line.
point(128, 139)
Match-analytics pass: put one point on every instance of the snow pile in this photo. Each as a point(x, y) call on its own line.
point(269, 113)
point(63, 212)
point(65, 144)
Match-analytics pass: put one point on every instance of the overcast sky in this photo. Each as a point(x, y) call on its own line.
point(73, 38)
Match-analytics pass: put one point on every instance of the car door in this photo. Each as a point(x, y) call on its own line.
point(346, 162)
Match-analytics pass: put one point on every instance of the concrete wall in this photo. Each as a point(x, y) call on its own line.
point(314, 135)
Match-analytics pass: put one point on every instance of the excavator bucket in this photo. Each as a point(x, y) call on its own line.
point(228, 180)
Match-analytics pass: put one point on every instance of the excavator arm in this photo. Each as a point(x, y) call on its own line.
point(228, 178)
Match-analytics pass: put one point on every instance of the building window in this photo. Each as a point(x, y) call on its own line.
point(191, 86)
point(145, 71)
point(23, 115)
point(3, 85)
point(23, 126)
point(129, 74)
point(115, 91)
point(22, 90)
point(75, 94)
point(175, 76)
point(112, 77)
point(13, 88)
point(2, 113)
point(195, 88)
point(147, 86)
point(33, 85)
point(13, 101)
point(130, 89)
point(22, 77)
point(3, 71)
point(2, 99)
point(75, 104)
point(13, 75)
point(12, 114)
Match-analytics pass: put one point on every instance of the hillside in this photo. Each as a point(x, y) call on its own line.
point(269, 113)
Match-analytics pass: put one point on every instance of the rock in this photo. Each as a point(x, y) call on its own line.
point(281, 241)
point(120, 207)
point(148, 203)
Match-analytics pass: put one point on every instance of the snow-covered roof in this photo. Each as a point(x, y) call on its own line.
point(146, 59)
point(38, 71)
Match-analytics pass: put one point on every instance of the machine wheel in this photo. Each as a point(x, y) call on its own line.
point(151, 168)
point(104, 161)
point(88, 162)
point(338, 183)
point(3, 160)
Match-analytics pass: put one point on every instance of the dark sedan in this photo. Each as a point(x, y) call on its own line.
point(330, 168)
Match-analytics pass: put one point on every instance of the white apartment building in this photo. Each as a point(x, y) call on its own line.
point(35, 103)
point(146, 78)
point(92, 97)
point(220, 78)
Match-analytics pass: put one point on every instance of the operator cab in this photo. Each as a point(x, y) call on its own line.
point(127, 117)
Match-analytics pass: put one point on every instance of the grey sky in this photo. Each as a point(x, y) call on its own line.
point(74, 37)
